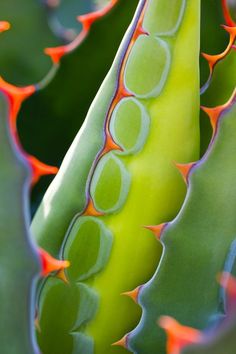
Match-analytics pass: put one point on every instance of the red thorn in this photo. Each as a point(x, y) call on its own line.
point(88, 19)
point(50, 264)
point(184, 169)
point(138, 32)
point(228, 19)
point(178, 336)
point(16, 96)
point(20, 93)
point(122, 342)
point(156, 229)
point(110, 145)
point(228, 282)
point(214, 113)
point(55, 53)
point(133, 294)
point(91, 210)
point(40, 169)
point(4, 26)
point(122, 92)
point(213, 59)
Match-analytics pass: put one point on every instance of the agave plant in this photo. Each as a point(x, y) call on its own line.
point(90, 275)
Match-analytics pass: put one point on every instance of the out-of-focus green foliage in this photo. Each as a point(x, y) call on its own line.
point(22, 60)
point(62, 16)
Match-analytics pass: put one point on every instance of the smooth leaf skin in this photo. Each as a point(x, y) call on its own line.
point(145, 186)
point(196, 245)
point(18, 261)
point(221, 339)
point(75, 305)
point(22, 59)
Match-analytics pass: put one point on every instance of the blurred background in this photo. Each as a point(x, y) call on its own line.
point(50, 119)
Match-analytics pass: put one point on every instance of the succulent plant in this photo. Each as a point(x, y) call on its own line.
point(126, 174)
point(110, 188)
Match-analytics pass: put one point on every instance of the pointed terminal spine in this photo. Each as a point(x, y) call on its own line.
point(50, 264)
point(178, 336)
point(87, 20)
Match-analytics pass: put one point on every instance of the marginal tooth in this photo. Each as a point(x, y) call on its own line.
point(184, 169)
point(88, 19)
point(40, 169)
point(62, 275)
point(178, 336)
point(139, 31)
point(133, 294)
point(91, 210)
point(156, 229)
point(213, 59)
point(55, 53)
point(36, 324)
point(214, 113)
point(122, 93)
point(50, 264)
point(110, 145)
point(4, 26)
point(122, 342)
point(17, 94)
